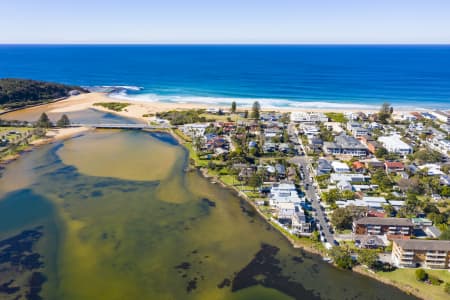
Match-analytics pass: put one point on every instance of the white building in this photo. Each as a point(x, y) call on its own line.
point(300, 117)
point(340, 167)
point(283, 193)
point(194, 130)
point(349, 177)
point(376, 203)
point(394, 144)
point(442, 116)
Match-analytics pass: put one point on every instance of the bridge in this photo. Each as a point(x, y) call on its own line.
point(121, 126)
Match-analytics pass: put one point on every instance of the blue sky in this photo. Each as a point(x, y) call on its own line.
point(225, 21)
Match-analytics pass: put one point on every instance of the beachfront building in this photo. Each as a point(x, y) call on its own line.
point(345, 145)
point(312, 117)
point(394, 144)
point(442, 116)
point(433, 254)
point(391, 227)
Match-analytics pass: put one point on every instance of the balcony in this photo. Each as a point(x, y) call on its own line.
point(443, 254)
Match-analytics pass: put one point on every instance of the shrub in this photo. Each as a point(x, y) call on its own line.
point(421, 275)
point(434, 280)
point(447, 288)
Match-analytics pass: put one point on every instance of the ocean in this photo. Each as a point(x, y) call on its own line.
point(307, 76)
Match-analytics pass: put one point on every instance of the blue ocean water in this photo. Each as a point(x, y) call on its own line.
point(313, 76)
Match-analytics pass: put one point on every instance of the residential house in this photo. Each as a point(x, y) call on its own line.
point(323, 167)
point(358, 167)
point(349, 177)
point(340, 167)
point(394, 144)
point(284, 192)
point(357, 129)
point(394, 167)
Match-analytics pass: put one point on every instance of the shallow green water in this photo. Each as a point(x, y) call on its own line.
point(122, 220)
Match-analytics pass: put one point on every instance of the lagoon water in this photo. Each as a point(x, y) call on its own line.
point(306, 76)
point(121, 219)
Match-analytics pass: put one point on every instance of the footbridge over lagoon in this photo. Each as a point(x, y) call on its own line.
point(121, 126)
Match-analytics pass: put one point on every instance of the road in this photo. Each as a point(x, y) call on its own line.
point(303, 162)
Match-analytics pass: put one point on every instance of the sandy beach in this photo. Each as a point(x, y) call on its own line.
point(136, 109)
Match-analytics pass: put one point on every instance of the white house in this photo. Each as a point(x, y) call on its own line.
point(340, 167)
point(394, 144)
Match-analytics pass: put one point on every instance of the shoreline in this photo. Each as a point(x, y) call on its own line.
point(296, 245)
point(135, 111)
point(51, 136)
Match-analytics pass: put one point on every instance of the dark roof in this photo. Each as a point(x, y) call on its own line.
point(424, 245)
point(384, 221)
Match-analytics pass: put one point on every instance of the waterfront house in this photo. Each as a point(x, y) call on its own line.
point(283, 192)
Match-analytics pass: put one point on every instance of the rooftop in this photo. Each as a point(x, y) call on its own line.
point(384, 221)
point(424, 245)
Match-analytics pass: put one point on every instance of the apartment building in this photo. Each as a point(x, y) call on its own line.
point(345, 145)
point(433, 254)
point(391, 227)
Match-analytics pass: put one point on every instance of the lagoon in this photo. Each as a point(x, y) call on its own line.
point(114, 215)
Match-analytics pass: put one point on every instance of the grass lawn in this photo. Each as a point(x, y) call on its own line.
point(223, 118)
point(4, 131)
point(407, 277)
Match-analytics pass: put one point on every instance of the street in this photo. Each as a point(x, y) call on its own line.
point(304, 165)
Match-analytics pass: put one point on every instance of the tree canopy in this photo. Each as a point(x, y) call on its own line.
point(16, 93)
point(256, 108)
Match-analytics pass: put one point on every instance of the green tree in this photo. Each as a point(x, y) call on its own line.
point(447, 288)
point(381, 152)
point(342, 257)
point(389, 209)
point(255, 181)
point(256, 108)
point(348, 195)
point(44, 121)
point(445, 235)
point(385, 113)
point(233, 107)
point(341, 218)
point(368, 257)
point(331, 196)
point(382, 180)
point(63, 121)
point(315, 236)
point(421, 275)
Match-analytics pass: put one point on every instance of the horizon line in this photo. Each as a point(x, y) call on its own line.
point(237, 43)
